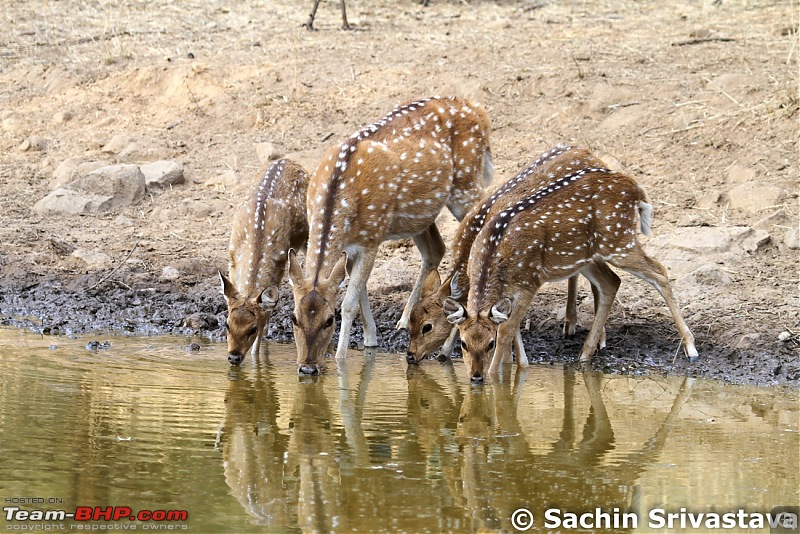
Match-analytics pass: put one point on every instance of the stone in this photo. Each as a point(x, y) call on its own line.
point(756, 240)
point(792, 239)
point(738, 174)
point(93, 258)
point(709, 275)
point(117, 144)
point(33, 143)
point(163, 174)
point(73, 168)
point(169, 274)
point(704, 239)
point(266, 152)
point(756, 196)
point(230, 179)
point(709, 199)
point(63, 116)
point(105, 189)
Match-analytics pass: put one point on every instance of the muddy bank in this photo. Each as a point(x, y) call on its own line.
point(642, 346)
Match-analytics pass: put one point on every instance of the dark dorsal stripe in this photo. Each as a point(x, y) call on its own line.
point(346, 151)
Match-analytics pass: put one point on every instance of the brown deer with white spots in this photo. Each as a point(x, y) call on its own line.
point(429, 328)
point(387, 181)
point(585, 216)
point(270, 221)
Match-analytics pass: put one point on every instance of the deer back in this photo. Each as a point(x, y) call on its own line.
point(428, 326)
point(392, 178)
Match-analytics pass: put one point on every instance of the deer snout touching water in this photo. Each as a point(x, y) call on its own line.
point(387, 181)
point(270, 221)
point(585, 217)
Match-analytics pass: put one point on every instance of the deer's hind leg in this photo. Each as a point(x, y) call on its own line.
point(431, 248)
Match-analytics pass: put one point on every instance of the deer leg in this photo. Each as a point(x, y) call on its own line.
point(508, 332)
point(601, 343)
point(449, 345)
point(519, 349)
point(571, 317)
point(370, 332)
point(345, 25)
point(606, 283)
point(309, 24)
point(431, 248)
point(360, 270)
point(651, 271)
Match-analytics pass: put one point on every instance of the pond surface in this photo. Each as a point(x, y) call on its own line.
point(372, 445)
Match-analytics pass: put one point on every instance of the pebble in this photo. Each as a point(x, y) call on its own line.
point(192, 347)
point(33, 143)
point(792, 239)
point(266, 152)
point(784, 336)
point(97, 345)
point(169, 274)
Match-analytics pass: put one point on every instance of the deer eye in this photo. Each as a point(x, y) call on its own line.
point(491, 345)
point(329, 322)
point(427, 328)
point(294, 319)
point(463, 346)
point(252, 331)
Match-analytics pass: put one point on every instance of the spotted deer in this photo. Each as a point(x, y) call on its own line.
point(387, 181)
point(584, 217)
point(428, 325)
point(270, 221)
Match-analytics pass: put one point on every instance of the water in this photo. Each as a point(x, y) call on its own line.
point(372, 446)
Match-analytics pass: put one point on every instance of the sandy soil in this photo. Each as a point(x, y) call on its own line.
point(694, 99)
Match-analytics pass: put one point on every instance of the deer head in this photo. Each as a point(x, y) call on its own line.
point(247, 318)
point(478, 334)
point(428, 325)
point(314, 318)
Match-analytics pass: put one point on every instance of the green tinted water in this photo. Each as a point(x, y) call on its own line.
point(371, 445)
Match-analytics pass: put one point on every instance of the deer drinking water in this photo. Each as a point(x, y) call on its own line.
point(585, 216)
point(387, 181)
point(428, 326)
point(270, 221)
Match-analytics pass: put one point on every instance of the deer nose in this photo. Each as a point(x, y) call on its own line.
point(235, 359)
point(410, 358)
point(308, 370)
point(476, 379)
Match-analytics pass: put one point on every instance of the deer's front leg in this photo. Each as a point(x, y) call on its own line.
point(360, 270)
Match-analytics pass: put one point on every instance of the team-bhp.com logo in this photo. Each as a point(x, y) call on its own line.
point(94, 513)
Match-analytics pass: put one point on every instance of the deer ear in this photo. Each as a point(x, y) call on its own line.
point(226, 287)
point(337, 273)
point(500, 311)
point(269, 298)
point(431, 283)
point(456, 314)
point(295, 271)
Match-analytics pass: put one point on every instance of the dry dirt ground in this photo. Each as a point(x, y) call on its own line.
point(696, 99)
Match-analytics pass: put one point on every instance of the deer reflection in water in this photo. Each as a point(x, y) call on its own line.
point(462, 461)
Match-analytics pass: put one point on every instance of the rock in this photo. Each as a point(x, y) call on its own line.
point(163, 174)
point(738, 174)
point(792, 239)
point(704, 239)
point(230, 179)
point(193, 347)
point(709, 275)
point(498, 24)
point(93, 258)
point(63, 116)
point(709, 199)
point(755, 240)
point(731, 83)
point(779, 218)
point(195, 321)
point(197, 209)
point(784, 336)
point(73, 168)
point(117, 144)
point(33, 143)
point(756, 196)
point(266, 152)
point(748, 341)
point(105, 189)
point(169, 274)
point(122, 184)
